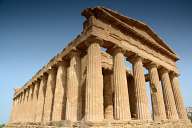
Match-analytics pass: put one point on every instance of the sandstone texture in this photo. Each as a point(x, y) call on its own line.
point(88, 84)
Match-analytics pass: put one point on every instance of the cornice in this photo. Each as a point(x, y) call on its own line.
point(121, 22)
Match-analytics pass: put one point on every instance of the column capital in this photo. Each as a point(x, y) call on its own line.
point(61, 63)
point(151, 65)
point(116, 49)
point(73, 52)
point(163, 70)
point(34, 83)
point(43, 76)
point(94, 39)
point(174, 74)
point(38, 80)
point(134, 58)
point(51, 70)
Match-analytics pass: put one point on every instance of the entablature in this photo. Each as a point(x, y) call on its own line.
point(113, 36)
point(135, 29)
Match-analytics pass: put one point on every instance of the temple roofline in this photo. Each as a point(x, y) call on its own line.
point(138, 24)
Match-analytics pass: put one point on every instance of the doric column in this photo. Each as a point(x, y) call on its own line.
point(73, 85)
point(16, 108)
point(178, 97)
point(60, 90)
point(34, 102)
point(12, 111)
point(30, 104)
point(41, 99)
point(168, 95)
point(49, 96)
point(108, 95)
point(16, 115)
point(25, 106)
point(121, 97)
point(142, 104)
point(22, 106)
point(131, 89)
point(94, 83)
point(156, 93)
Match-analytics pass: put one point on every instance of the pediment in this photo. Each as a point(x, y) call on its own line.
point(141, 29)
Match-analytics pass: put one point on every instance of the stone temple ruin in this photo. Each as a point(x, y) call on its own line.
point(84, 86)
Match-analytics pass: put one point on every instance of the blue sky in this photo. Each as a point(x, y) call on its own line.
point(33, 31)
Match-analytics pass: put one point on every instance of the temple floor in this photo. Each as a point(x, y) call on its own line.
point(106, 124)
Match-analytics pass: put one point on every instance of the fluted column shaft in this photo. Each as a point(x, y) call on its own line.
point(16, 117)
point(131, 89)
point(25, 106)
point(30, 104)
point(156, 94)
point(34, 101)
point(41, 99)
point(168, 95)
point(60, 90)
point(49, 96)
point(12, 111)
point(142, 104)
point(22, 106)
point(94, 84)
point(108, 96)
point(73, 86)
point(178, 97)
point(14, 114)
point(16, 110)
point(121, 97)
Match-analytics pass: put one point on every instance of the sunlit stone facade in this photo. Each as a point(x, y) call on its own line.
point(88, 84)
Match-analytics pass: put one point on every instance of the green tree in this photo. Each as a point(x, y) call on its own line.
point(2, 125)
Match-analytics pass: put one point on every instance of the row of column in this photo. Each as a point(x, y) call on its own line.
point(57, 95)
point(167, 104)
point(54, 97)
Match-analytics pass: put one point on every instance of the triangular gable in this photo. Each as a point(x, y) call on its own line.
point(139, 27)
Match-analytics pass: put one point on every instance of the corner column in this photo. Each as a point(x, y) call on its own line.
point(156, 93)
point(168, 95)
point(49, 96)
point(121, 97)
point(94, 83)
point(12, 111)
point(60, 89)
point(178, 97)
point(142, 103)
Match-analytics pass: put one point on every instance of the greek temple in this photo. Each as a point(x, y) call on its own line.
point(89, 85)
